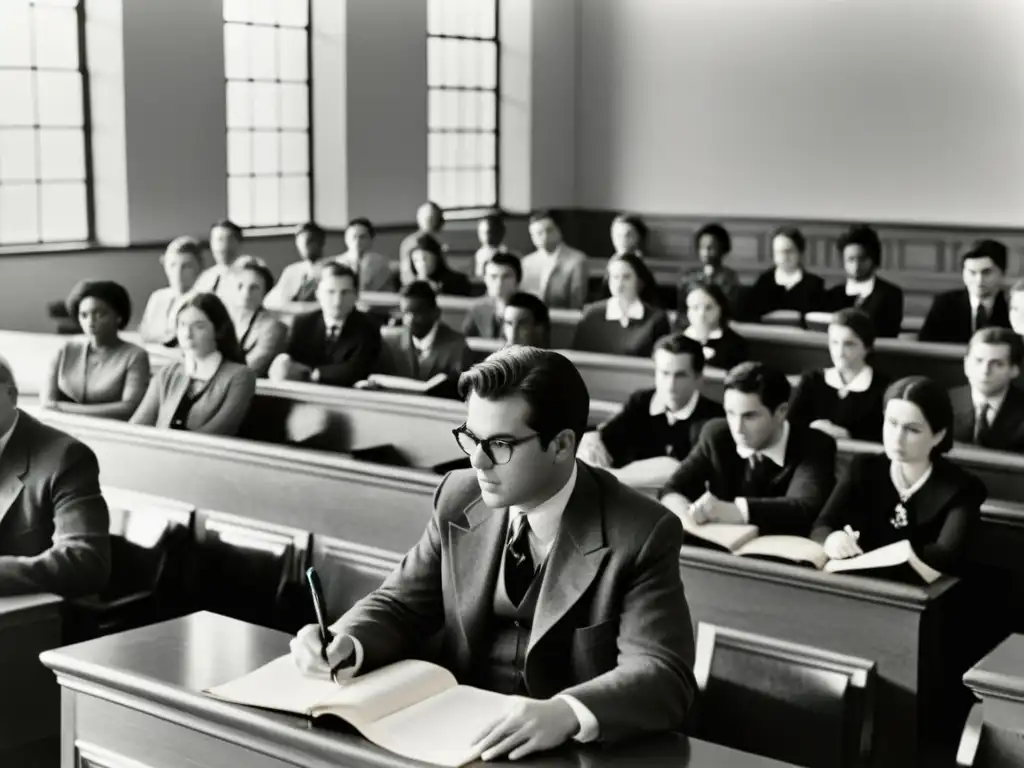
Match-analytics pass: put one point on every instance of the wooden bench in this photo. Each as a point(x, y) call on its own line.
point(993, 736)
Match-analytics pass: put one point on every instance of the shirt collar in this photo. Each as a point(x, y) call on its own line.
point(897, 481)
point(546, 516)
point(862, 288)
point(776, 451)
point(994, 403)
point(659, 407)
point(204, 369)
point(987, 303)
point(5, 438)
point(787, 281)
point(859, 383)
point(425, 344)
point(553, 255)
point(713, 336)
point(330, 322)
point(613, 312)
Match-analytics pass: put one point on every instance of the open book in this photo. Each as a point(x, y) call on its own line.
point(647, 473)
point(412, 708)
point(404, 384)
point(898, 555)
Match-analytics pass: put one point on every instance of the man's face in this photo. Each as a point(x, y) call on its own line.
point(982, 277)
point(309, 246)
point(500, 281)
point(182, 270)
point(1017, 312)
point(427, 218)
point(223, 245)
point(624, 237)
point(336, 296)
point(988, 368)
point(752, 425)
point(674, 378)
point(357, 239)
point(418, 315)
point(545, 235)
point(529, 473)
point(520, 327)
point(8, 396)
point(857, 264)
point(487, 233)
point(250, 290)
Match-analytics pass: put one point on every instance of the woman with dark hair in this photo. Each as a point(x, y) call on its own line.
point(623, 324)
point(707, 318)
point(100, 374)
point(261, 336)
point(628, 235)
point(911, 492)
point(430, 265)
point(211, 388)
point(787, 285)
point(711, 244)
point(846, 399)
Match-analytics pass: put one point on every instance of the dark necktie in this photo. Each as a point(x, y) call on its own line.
point(332, 334)
point(980, 317)
point(981, 424)
point(757, 476)
point(518, 561)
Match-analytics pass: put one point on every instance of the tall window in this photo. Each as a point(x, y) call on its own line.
point(266, 62)
point(44, 191)
point(462, 87)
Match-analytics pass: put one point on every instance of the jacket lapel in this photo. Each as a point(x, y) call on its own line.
point(476, 548)
point(575, 558)
point(13, 465)
point(1008, 417)
point(934, 496)
point(412, 361)
point(175, 391)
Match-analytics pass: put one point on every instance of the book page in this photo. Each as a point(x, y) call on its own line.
point(889, 556)
point(727, 536)
point(653, 472)
point(278, 685)
point(441, 729)
point(795, 549)
point(406, 384)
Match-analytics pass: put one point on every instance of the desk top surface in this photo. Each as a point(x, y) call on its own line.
point(171, 663)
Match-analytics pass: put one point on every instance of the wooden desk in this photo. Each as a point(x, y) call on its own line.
point(29, 703)
point(135, 698)
point(994, 735)
point(921, 638)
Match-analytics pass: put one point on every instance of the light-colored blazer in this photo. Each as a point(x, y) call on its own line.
point(118, 382)
point(217, 280)
point(262, 340)
point(219, 410)
point(297, 283)
point(373, 269)
point(565, 286)
point(630, 662)
point(53, 521)
point(159, 320)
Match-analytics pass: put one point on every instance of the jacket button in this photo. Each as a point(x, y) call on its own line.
point(515, 624)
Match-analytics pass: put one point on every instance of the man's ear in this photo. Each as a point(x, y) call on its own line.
point(782, 412)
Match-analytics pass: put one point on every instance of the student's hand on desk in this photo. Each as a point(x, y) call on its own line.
point(708, 509)
point(826, 426)
point(305, 651)
point(841, 544)
point(367, 384)
point(531, 726)
point(593, 451)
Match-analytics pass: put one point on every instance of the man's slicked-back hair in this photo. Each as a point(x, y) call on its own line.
point(753, 378)
point(1000, 336)
point(533, 305)
point(509, 260)
point(992, 249)
point(553, 389)
point(334, 269)
point(7, 374)
point(419, 289)
point(681, 344)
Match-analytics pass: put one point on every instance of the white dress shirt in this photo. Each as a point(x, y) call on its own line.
point(550, 262)
point(788, 279)
point(776, 452)
point(660, 406)
point(860, 288)
point(859, 383)
point(204, 369)
point(5, 438)
point(615, 313)
point(426, 344)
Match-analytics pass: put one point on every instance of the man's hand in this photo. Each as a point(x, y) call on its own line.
point(306, 653)
point(842, 544)
point(708, 509)
point(826, 426)
point(531, 726)
point(593, 451)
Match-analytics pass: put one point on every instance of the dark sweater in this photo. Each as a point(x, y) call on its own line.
point(767, 296)
point(860, 413)
point(633, 434)
point(596, 334)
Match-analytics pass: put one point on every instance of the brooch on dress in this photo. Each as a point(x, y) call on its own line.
point(899, 520)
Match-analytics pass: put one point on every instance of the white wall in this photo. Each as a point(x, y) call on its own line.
point(884, 110)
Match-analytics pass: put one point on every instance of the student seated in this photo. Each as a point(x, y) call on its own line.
point(706, 316)
point(298, 279)
point(225, 243)
point(1017, 307)
point(526, 322)
point(846, 399)
point(663, 421)
point(100, 374)
point(911, 492)
point(337, 345)
point(54, 536)
point(424, 345)
point(210, 389)
point(429, 221)
point(956, 315)
point(861, 251)
point(628, 235)
point(490, 231)
point(555, 273)
point(753, 466)
point(261, 336)
point(430, 265)
point(712, 244)
point(787, 285)
point(989, 410)
point(182, 262)
point(623, 324)
point(502, 276)
point(372, 269)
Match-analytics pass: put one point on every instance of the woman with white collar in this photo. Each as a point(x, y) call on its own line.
point(210, 388)
point(787, 285)
point(911, 492)
point(706, 308)
point(844, 401)
point(624, 324)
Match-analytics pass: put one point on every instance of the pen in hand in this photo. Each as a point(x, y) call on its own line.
point(851, 533)
point(316, 591)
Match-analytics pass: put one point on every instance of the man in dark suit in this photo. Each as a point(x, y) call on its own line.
point(956, 315)
point(663, 421)
point(545, 578)
point(861, 250)
point(53, 521)
point(424, 345)
point(989, 410)
point(337, 345)
point(754, 466)
point(502, 275)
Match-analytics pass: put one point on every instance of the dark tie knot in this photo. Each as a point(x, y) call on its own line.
point(518, 561)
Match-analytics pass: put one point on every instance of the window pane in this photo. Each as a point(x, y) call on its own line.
point(265, 152)
point(15, 39)
point(294, 152)
point(240, 201)
point(486, 65)
point(59, 3)
point(56, 37)
point(62, 154)
point(294, 64)
point(294, 105)
point(60, 98)
point(262, 53)
point(239, 153)
point(236, 10)
point(264, 105)
point(16, 97)
point(64, 212)
point(292, 13)
point(263, 11)
point(267, 201)
point(295, 199)
point(236, 51)
point(239, 104)
point(17, 155)
point(19, 213)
